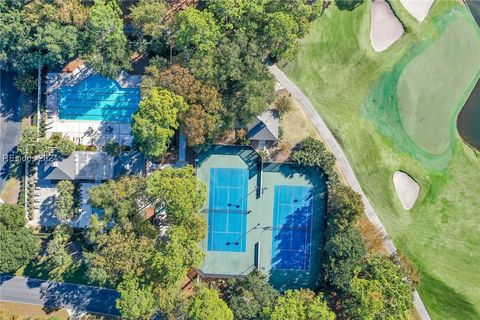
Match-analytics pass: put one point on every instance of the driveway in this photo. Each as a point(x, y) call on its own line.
point(77, 298)
point(10, 99)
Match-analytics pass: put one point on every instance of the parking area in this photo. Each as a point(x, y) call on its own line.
point(44, 212)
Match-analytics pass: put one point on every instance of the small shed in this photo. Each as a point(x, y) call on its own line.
point(263, 132)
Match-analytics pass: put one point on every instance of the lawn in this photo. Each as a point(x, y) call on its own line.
point(341, 74)
point(16, 311)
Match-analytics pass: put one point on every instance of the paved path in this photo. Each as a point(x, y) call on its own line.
point(9, 122)
point(345, 167)
point(77, 298)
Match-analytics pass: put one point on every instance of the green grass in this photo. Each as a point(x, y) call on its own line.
point(339, 72)
point(434, 81)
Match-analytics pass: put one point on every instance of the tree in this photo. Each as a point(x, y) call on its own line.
point(196, 32)
point(94, 229)
point(12, 216)
point(120, 200)
point(30, 145)
point(281, 33)
point(72, 12)
point(202, 119)
point(64, 203)
point(313, 153)
point(104, 42)
point(34, 37)
point(249, 296)
point(63, 146)
point(396, 294)
point(17, 243)
point(59, 259)
point(155, 122)
point(176, 254)
point(345, 207)
point(179, 191)
point(119, 253)
point(344, 257)
point(147, 17)
point(207, 304)
point(301, 305)
point(136, 300)
point(365, 300)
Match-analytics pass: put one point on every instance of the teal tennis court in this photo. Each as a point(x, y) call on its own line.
point(292, 227)
point(227, 213)
point(98, 98)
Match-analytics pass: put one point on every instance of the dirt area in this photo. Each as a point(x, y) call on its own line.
point(9, 194)
point(295, 126)
point(17, 311)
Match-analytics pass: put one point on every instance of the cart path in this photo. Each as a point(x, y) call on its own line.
point(344, 166)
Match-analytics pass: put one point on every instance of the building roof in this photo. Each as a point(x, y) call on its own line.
point(265, 127)
point(81, 165)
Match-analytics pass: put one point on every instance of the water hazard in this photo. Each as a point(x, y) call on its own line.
point(468, 122)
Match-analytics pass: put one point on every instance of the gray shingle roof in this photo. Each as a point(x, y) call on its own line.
point(265, 127)
point(81, 165)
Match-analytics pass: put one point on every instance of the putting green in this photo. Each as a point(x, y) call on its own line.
point(431, 88)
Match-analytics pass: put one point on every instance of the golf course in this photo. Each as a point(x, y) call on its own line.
point(397, 110)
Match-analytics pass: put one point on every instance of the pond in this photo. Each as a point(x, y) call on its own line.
point(468, 122)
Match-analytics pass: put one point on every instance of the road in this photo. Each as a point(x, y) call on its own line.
point(10, 118)
point(344, 165)
point(77, 298)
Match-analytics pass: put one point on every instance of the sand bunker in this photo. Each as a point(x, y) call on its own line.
point(418, 8)
point(407, 189)
point(385, 28)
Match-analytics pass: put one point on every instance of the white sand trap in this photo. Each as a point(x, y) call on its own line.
point(418, 8)
point(385, 28)
point(407, 189)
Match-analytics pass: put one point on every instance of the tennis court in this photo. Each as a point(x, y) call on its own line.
point(292, 227)
point(227, 213)
point(262, 217)
point(98, 98)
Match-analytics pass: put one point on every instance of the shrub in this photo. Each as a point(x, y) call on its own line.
point(112, 148)
point(80, 147)
point(91, 148)
point(313, 153)
point(284, 104)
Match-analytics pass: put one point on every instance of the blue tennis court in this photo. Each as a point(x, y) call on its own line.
point(227, 213)
point(98, 98)
point(292, 227)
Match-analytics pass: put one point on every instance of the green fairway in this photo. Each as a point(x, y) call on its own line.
point(353, 89)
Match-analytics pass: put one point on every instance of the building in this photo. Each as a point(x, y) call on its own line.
point(264, 131)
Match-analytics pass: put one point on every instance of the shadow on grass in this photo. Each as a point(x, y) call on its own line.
point(448, 301)
point(348, 5)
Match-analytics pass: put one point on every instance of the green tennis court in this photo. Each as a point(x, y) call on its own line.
point(271, 220)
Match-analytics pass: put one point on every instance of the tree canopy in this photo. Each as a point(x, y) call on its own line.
point(147, 17)
point(301, 305)
point(179, 191)
point(18, 245)
point(207, 304)
point(202, 119)
point(136, 301)
point(64, 204)
point(104, 44)
point(250, 297)
point(155, 122)
point(33, 35)
point(344, 258)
